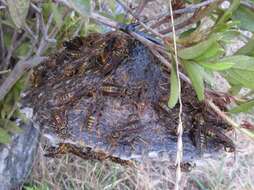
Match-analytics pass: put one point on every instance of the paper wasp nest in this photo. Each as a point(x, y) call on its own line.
point(105, 97)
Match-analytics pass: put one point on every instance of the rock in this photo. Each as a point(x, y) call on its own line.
point(16, 159)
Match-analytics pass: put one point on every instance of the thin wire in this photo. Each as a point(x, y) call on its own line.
point(179, 153)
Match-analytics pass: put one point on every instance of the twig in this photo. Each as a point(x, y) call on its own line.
point(45, 37)
point(28, 30)
point(197, 16)
point(104, 20)
point(161, 21)
point(189, 9)
point(97, 17)
point(17, 72)
point(37, 28)
point(50, 19)
point(179, 154)
point(227, 118)
point(23, 65)
point(248, 4)
point(185, 23)
point(140, 22)
point(37, 9)
point(5, 71)
point(2, 49)
point(141, 6)
point(163, 18)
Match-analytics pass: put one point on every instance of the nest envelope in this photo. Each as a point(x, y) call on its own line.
point(105, 97)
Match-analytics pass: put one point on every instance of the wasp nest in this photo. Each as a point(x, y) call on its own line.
point(105, 97)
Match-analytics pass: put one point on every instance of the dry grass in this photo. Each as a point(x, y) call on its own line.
point(227, 172)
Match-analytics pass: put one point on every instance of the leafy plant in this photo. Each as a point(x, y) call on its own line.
point(28, 30)
point(10, 111)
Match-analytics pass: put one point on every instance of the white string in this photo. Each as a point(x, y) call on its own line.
point(179, 153)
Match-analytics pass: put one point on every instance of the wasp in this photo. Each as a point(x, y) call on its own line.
point(75, 44)
point(218, 135)
point(120, 52)
point(203, 132)
point(199, 139)
point(90, 122)
point(124, 138)
point(109, 63)
point(69, 71)
point(164, 107)
point(185, 166)
point(115, 51)
point(161, 106)
point(93, 39)
point(108, 89)
point(104, 58)
point(65, 148)
point(199, 136)
point(59, 120)
point(36, 78)
point(64, 98)
point(62, 148)
point(122, 162)
point(137, 91)
point(126, 134)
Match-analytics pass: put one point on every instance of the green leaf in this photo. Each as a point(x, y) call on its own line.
point(112, 6)
point(218, 66)
point(18, 10)
point(245, 107)
point(233, 7)
point(196, 50)
point(235, 89)
point(7, 108)
point(11, 126)
point(248, 48)
point(5, 138)
point(194, 72)
point(242, 62)
point(83, 7)
point(121, 18)
point(174, 89)
point(208, 76)
point(239, 77)
point(214, 51)
point(23, 49)
point(246, 18)
point(56, 15)
point(229, 35)
point(189, 31)
point(20, 115)
point(226, 27)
